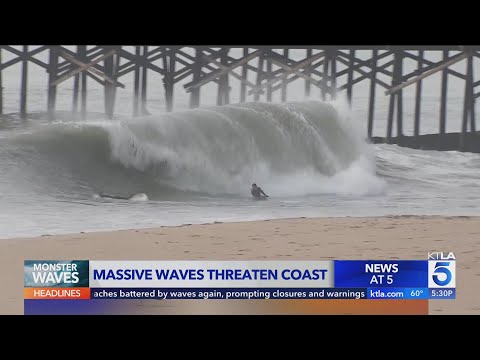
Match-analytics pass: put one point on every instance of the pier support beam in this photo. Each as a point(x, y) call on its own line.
point(443, 100)
point(325, 76)
point(391, 108)
point(400, 99)
point(223, 96)
point(243, 85)
point(82, 51)
point(268, 77)
point(333, 73)
point(371, 105)
point(168, 80)
point(114, 76)
point(473, 127)
point(418, 98)
point(256, 96)
point(24, 83)
point(197, 72)
point(76, 88)
point(284, 81)
point(350, 76)
point(143, 94)
point(1, 84)
point(226, 77)
point(467, 104)
point(52, 76)
point(136, 82)
point(308, 70)
point(109, 64)
point(395, 97)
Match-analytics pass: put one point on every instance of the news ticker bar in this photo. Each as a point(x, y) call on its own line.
point(240, 293)
point(439, 274)
point(60, 280)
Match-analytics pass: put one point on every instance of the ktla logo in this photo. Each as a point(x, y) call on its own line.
point(441, 271)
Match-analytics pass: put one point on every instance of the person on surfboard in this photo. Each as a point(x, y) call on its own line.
point(115, 196)
point(257, 192)
point(139, 196)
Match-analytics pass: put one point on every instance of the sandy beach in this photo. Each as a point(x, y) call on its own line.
point(390, 237)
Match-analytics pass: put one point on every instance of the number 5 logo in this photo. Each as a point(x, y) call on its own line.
point(441, 274)
point(442, 268)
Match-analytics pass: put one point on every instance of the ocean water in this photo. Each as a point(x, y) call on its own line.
point(196, 166)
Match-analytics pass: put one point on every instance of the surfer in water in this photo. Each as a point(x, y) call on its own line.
point(257, 192)
point(114, 196)
point(140, 196)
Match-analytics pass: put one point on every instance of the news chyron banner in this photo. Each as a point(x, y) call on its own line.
point(238, 287)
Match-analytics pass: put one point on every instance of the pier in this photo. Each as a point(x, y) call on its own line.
point(332, 69)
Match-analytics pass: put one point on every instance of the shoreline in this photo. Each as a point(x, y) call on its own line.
point(325, 238)
point(108, 231)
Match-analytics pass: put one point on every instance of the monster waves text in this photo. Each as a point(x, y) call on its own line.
point(210, 274)
point(55, 273)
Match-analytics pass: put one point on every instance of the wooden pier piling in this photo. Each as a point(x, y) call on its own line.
point(325, 76)
point(308, 71)
point(333, 74)
point(261, 57)
point(24, 84)
point(197, 72)
point(109, 87)
point(284, 80)
point(144, 80)
point(136, 82)
point(82, 53)
point(418, 97)
point(350, 77)
point(371, 102)
point(467, 104)
point(443, 98)
point(400, 99)
point(1, 84)
point(243, 85)
point(169, 80)
point(52, 88)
